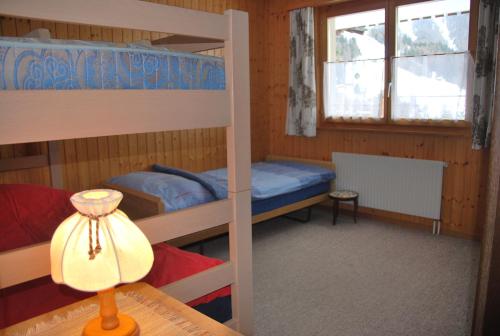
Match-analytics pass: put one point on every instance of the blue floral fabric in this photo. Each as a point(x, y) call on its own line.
point(31, 64)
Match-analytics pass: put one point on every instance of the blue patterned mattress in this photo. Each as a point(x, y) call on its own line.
point(32, 64)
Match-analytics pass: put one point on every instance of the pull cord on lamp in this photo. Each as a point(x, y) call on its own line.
point(96, 249)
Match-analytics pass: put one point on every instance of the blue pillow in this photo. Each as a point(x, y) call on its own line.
point(176, 192)
point(184, 173)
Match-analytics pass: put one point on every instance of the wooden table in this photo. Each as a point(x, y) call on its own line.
point(342, 196)
point(155, 312)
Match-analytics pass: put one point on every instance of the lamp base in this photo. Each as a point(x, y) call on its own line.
point(127, 327)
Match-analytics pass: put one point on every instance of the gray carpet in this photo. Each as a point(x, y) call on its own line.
point(369, 278)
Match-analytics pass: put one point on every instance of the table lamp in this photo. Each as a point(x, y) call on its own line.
point(97, 248)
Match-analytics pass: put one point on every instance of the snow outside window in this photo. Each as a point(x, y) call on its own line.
point(353, 77)
point(432, 68)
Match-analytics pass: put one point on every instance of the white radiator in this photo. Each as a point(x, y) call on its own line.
point(406, 186)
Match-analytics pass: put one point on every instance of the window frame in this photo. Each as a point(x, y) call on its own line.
point(444, 127)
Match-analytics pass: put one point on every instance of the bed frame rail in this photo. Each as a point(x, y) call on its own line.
point(179, 223)
point(199, 284)
point(129, 14)
point(187, 221)
point(137, 204)
point(69, 114)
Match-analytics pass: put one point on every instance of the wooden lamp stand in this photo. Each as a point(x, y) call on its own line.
point(110, 323)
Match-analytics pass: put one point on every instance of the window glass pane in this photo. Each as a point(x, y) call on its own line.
point(354, 77)
point(358, 36)
point(431, 70)
point(432, 27)
point(431, 87)
point(354, 89)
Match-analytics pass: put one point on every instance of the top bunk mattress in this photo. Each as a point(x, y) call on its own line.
point(34, 64)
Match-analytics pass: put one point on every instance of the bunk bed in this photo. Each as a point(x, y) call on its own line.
point(82, 113)
point(280, 185)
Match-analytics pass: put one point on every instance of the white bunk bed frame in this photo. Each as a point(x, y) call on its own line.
point(31, 116)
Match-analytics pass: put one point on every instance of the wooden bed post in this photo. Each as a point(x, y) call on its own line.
point(239, 174)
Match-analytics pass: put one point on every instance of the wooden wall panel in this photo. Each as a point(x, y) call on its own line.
point(88, 162)
point(464, 181)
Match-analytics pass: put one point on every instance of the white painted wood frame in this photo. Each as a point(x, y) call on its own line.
point(110, 112)
point(69, 114)
point(127, 14)
point(239, 182)
point(179, 223)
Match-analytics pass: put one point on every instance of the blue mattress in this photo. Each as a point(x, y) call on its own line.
point(261, 206)
point(32, 64)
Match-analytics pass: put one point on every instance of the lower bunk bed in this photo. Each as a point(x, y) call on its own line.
point(280, 185)
point(30, 214)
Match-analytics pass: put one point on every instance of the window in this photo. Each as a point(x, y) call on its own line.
point(431, 66)
point(354, 73)
point(406, 63)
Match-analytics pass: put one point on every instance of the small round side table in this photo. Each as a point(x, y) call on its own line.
point(343, 196)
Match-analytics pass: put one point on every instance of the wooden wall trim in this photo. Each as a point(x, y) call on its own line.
point(25, 162)
point(409, 221)
point(486, 311)
point(280, 6)
point(491, 324)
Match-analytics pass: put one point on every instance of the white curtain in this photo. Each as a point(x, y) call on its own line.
point(353, 89)
point(301, 114)
point(432, 87)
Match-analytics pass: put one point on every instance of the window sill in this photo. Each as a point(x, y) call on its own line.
point(441, 128)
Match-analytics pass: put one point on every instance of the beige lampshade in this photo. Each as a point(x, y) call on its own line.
point(95, 257)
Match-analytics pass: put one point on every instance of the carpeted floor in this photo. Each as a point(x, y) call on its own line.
point(369, 278)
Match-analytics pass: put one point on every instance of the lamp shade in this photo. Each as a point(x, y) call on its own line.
point(98, 247)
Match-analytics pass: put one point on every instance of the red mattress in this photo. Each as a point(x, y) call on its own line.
point(20, 227)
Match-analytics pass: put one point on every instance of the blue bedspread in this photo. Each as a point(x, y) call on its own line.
point(30, 64)
point(272, 178)
point(176, 192)
point(269, 179)
point(180, 189)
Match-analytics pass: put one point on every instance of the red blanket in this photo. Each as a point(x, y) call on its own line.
point(20, 226)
